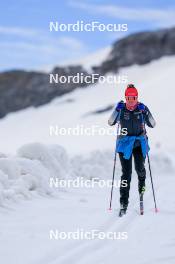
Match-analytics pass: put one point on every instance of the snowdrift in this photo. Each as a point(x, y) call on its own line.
point(28, 173)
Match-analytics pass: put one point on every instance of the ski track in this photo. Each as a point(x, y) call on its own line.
point(126, 223)
point(80, 251)
point(102, 251)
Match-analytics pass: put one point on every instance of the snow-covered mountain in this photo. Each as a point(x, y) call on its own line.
point(31, 88)
point(81, 108)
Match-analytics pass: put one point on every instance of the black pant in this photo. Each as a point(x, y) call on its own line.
point(139, 162)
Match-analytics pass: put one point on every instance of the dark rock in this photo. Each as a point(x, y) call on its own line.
point(101, 110)
point(21, 89)
point(140, 48)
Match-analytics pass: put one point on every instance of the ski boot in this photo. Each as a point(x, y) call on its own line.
point(142, 190)
point(122, 211)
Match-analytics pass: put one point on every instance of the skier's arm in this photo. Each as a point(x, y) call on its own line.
point(114, 118)
point(149, 120)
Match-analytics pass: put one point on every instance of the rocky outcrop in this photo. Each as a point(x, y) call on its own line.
point(21, 89)
point(140, 48)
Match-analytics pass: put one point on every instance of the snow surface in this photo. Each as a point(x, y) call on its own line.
point(30, 208)
point(26, 225)
point(156, 91)
point(94, 59)
point(91, 59)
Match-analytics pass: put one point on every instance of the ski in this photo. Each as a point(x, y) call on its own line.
point(141, 204)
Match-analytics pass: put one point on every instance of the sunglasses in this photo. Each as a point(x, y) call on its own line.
point(131, 98)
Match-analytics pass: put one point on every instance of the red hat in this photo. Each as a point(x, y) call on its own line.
point(131, 90)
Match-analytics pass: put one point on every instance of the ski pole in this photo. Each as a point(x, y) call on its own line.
point(155, 204)
point(149, 165)
point(115, 156)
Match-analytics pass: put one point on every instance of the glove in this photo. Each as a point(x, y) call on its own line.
point(141, 107)
point(120, 106)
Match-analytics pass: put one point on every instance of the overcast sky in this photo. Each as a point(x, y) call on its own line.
point(26, 42)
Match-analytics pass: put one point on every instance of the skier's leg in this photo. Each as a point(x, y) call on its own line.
point(126, 176)
point(139, 162)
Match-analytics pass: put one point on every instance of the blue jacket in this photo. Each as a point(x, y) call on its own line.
point(126, 145)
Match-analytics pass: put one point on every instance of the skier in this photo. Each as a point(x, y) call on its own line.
point(132, 116)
